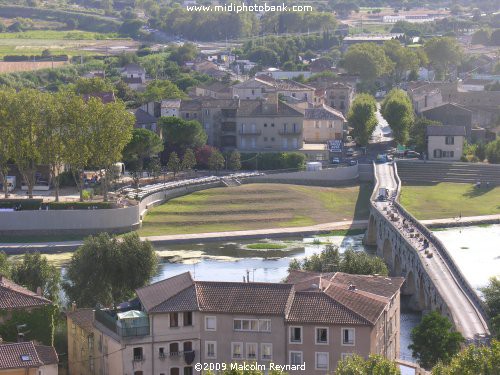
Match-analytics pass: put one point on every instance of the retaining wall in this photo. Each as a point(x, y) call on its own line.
point(325, 177)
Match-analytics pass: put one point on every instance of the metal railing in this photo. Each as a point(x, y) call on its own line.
point(108, 321)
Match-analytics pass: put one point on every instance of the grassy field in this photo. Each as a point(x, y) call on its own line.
point(59, 42)
point(256, 206)
point(445, 200)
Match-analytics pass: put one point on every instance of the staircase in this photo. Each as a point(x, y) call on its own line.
point(430, 171)
point(230, 181)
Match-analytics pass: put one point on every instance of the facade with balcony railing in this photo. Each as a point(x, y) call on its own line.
point(136, 327)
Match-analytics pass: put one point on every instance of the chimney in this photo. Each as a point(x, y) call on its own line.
point(39, 291)
point(352, 287)
point(73, 306)
point(248, 276)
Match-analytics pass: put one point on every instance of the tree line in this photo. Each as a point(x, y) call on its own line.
point(59, 130)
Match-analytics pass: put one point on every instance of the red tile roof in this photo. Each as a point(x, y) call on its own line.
point(26, 354)
point(13, 296)
point(154, 294)
point(84, 318)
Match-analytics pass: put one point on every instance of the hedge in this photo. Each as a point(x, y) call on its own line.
point(273, 160)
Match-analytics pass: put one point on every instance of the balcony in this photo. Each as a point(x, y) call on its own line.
point(138, 326)
point(250, 132)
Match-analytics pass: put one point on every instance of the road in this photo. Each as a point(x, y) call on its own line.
point(467, 318)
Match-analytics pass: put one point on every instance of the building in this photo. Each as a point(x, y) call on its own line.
point(313, 318)
point(450, 114)
point(445, 142)
point(134, 76)
point(214, 90)
point(143, 120)
point(106, 97)
point(378, 39)
point(323, 124)
point(27, 358)
point(263, 85)
point(339, 96)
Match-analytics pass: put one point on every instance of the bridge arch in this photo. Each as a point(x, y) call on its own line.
point(397, 266)
point(422, 297)
point(387, 253)
point(409, 287)
point(371, 233)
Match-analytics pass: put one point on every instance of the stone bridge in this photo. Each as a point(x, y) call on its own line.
point(433, 281)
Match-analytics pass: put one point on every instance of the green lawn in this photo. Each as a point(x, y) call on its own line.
point(446, 200)
point(256, 206)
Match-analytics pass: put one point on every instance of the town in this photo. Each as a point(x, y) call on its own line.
point(201, 187)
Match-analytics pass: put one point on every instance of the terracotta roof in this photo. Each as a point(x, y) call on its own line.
point(245, 298)
point(185, 300)
point(84, 318)
point(323, 113)
point(19, 355)
point(13, 296)
point(133, 68)
point(47, 354)
point(316, 307)
point(380, 285)
point(171, 103)
point(143, 117)
point(215, 87)
point(154, 294)
point(251, 108)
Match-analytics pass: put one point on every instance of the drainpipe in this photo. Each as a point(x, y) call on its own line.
point(152, 346)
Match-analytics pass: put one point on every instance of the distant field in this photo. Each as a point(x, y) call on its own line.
point(446, 199)
point(24, 66)
point(256, 206)
point(62, 42)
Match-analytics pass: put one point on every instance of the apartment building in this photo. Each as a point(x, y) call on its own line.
point(260, 86)
point(323, 124)
point(316, 319)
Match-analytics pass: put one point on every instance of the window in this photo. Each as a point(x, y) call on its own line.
point(296, 335)
point(188, 370)
point(266, 351)
point(348, 336)
point(175, 371)
point(321, 335)
point(187, 318)
point(187, 346)
point(138, 354)
point(236, 350)
point(265, 325)
point(210, 349)
point(174, 348)
point(295, 358)
point(272, 125)
point(317, 124)
point(210, 323)
point(437, 153)
point(321, 361)
point(161, 352)
point(174, 320)
point(251, 350)
point(265, 125)
point(254, 325)
point(449, 140)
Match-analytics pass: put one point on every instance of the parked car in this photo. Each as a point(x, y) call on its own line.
point(336, 161)
point(381, 158)
point(349, 151)
point(352, 162)
point(412, 155)
point(383, 194)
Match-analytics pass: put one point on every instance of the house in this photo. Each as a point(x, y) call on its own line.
point(163, 108)
point(323, 124)
point(106, 97)
point(451, 114)
point(320, 65)
point(284, 74)
point(445, 142)
point(339, 95)
point(215, 90)
point(134, 76)
point(28, 358)
point(144, 120)
point(262, 85)
point(312, 318)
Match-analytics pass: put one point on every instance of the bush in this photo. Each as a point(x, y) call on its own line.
point(21, 204)
point(273, 160)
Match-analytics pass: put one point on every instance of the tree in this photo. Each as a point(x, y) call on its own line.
point(330, 260)
point(131, 28)
point(442, 52)
point(26, 115)
point(472, 360)
point(367, 60)
point(361, 117)
point(35, 272)
point(4, 264)
point(188, 160)
point(110, 130)
point(184, 53)
point(418, 133)
point(7, 138)
point(434, 340)
point(234, 162)
point(105, 270)
point(481, 36)
point(174, 164)
point(216, 161)
point(374, 365)
point(51, 139)
point(143, 145)
point(92, 86)
point(404, 59)
point(161, 89)
point(398, 111)
point(495, 37)
point(491, 295)
point(493, 152)
point(181, 134)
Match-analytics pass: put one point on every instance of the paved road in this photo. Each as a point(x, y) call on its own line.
point(467, 319)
